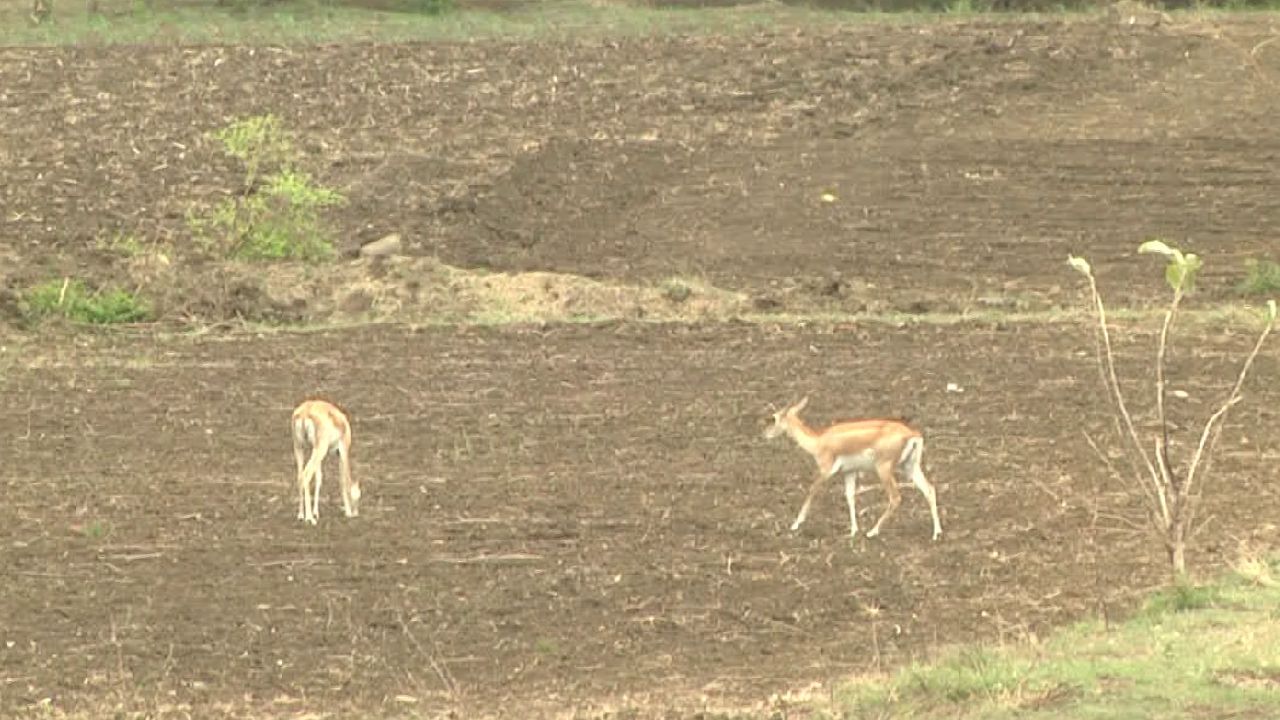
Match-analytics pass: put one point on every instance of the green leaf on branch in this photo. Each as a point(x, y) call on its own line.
point(1182, 274)
point(1159, 246)
point(1181, 271)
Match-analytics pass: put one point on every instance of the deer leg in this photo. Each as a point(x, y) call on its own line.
point(302, 483)
point(851, 497)
point(349, 507)
point(315, 498)
point(930, 494)
point(884, 469)
point(823, 475)
point(311, 472)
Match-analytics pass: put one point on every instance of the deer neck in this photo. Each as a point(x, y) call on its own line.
point(804, 435)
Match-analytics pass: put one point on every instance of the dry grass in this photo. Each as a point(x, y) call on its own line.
point(425, 291)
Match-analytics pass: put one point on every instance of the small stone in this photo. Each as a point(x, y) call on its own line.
point(382, 247)
point(356, 302)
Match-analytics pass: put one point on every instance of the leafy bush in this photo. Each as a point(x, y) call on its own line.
point(1262, 277)
point(277, 215)
point(1181, 597)
point(72, 300)
point(256, 141)
point(676, 290)
point(280, 222)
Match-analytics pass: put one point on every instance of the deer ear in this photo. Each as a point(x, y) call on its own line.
point(800, 405)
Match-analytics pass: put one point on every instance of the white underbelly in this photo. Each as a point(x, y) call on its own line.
point(864, 461)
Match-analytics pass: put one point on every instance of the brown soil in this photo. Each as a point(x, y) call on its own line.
point(567, 519)
point(584, 519)
point(966, 159)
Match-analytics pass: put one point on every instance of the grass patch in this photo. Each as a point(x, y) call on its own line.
point(1192, 652)
point(972, 673)
point(73, 300)
point(97, 530)
point(677, 290)
point(122, 244)
point(1180, 598)
point(302, 22)
point(1262, 277)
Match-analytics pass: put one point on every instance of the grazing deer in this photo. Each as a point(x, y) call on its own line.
point(880, 445)
point(323, 428)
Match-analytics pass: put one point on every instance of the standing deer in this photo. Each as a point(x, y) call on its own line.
point(323, 428)
point(882, 446)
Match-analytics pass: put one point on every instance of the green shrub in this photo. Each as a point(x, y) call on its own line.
point(122, 244)
point(280, 222)
point(1262, 277)
point(676, 289)
point(1181, 597)
point(72, 300)
point(258, 142)
point(278, 213)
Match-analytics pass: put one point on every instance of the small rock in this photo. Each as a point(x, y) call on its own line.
point(766, 302)
point(356, 302)
point(832, 286)
point(382, 247)
point(1000, 301)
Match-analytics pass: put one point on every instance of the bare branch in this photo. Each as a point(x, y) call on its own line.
point(1103, 457)
point(1162, 446)
point(1165, 486)
point(1134, 468)
point(1113, 383)
point(1151, 503)
point(1156, 523)
point(442, 672)
point(1213, 427)
point(1194, 531)
point(1132, 526)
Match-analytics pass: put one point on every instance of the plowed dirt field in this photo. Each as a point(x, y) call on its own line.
point(585, 518)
